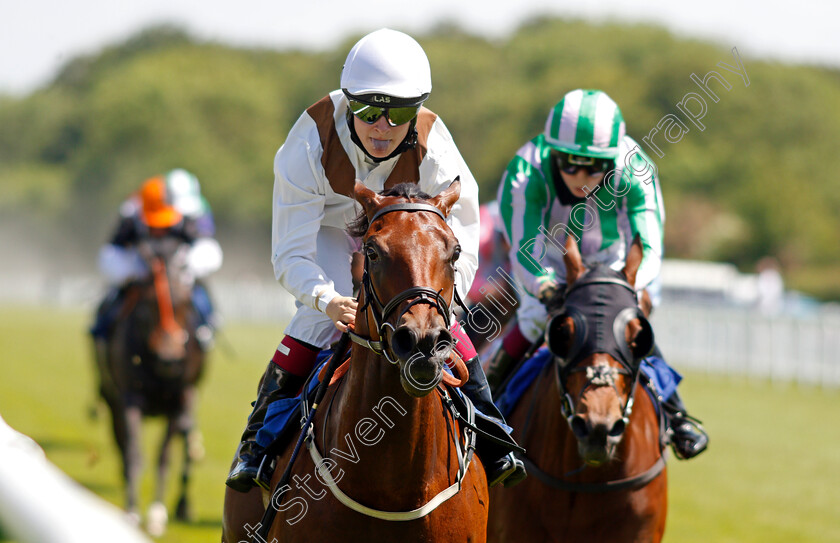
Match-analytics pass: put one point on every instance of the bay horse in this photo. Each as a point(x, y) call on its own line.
point(153, 365)
point(393, 466)
point(592, 432)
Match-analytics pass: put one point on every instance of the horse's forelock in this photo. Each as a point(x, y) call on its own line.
point(410, 191)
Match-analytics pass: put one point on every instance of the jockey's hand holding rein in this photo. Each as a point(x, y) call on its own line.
point(342, 311)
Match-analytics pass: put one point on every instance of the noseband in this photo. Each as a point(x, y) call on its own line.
point(600, 319)
point(416, 295)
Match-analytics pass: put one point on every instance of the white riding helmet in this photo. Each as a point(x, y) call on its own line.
point(389, 68)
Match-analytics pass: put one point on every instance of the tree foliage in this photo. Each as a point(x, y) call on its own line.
point(759, 179)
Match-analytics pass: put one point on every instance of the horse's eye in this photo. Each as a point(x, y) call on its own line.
point(371, 253)
point(456, 254)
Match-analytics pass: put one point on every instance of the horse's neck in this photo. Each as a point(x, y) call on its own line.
point(548, 432)
point(643, 430)
point(411, 428)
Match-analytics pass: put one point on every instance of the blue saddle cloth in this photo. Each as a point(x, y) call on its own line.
point(654, 369)
point(281, 413)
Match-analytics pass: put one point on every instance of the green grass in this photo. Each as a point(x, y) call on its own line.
point(771, 474)
point(46, 377)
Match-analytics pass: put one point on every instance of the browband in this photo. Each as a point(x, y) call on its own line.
point(599, 281)
point(408, 206)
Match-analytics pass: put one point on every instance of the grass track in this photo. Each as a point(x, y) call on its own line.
point(772, 472)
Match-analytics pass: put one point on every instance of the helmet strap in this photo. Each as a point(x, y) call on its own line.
point(409, 142)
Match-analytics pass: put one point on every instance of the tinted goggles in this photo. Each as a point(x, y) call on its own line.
point(570, 164)
point(394, 115)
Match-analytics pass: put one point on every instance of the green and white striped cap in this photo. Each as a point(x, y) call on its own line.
point(185, 192)
point(586, 123)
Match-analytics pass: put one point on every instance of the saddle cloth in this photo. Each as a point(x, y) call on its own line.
point(281, 413)
point(655, 371)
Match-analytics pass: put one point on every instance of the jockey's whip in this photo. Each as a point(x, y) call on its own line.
point(261, 534)
point(227, 347)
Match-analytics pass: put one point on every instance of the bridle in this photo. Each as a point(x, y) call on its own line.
point(594, 332)
point(380, 312)
point(612, 287)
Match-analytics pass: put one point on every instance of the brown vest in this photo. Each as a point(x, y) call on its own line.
point(337, 166)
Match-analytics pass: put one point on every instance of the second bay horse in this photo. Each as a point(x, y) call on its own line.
point(595, 464)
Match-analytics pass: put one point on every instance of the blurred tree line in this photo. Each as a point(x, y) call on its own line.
point(759, 180)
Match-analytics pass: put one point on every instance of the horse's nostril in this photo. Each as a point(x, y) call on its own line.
point(579, 427)
point(618, 428)
point(403, 341)
point(444, 342)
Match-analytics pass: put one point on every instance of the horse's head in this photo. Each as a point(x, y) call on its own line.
point(598, 337)
point(163, 310)
point(409, 279)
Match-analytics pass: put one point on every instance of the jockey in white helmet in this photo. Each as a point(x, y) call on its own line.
point(373, 129)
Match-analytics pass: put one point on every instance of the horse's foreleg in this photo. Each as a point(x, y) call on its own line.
point(132, 456)
point(158, 517)
point(186, 428)
point(163, 460)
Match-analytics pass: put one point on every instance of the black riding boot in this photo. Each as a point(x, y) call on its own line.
point(688, 437)
point(500, 463)
point(500, 366)
point(276, 384)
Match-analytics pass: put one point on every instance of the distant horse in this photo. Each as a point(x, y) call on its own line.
point(591, 430)
point(397, 466)
point(153, 365)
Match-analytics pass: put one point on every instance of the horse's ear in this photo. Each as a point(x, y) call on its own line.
point(574, 264)
point(370, 200)
point(633, 261)
point(446, 199)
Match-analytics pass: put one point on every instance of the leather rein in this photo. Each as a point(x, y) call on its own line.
point(567, 408)
point(380, 312)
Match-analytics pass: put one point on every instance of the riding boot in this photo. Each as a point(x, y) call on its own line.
point(688, 438)
point(276, 384)
point(106, 314)
point(497, 370)
point(207, 321)
point(500, 463)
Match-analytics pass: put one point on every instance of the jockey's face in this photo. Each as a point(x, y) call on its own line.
point(580, 179)
point(380, 139)
point(158, 232)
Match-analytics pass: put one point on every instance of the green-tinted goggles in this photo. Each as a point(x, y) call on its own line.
point(394, 115)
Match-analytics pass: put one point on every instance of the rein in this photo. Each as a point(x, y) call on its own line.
point(271, 511)
point(567, 406)
point(628, 483)
point(597, 375)
point(615, 485)
point(164, 299)
point(379, 347)
point(380, 312)
point(464, 454)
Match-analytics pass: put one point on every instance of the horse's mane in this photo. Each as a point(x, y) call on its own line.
point(358, 226)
